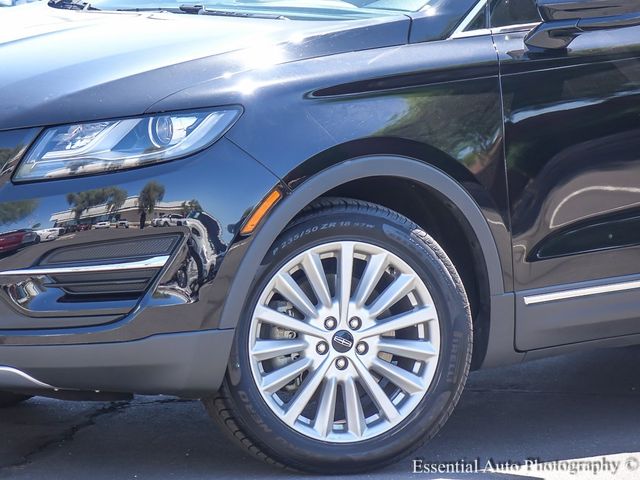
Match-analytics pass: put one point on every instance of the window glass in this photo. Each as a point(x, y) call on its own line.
point(513, 12)
point(479, 22)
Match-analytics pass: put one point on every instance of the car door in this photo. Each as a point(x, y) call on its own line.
point(572, 149)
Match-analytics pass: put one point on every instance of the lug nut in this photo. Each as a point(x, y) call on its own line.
point(355, 323)
point(341, 363)
point(322, 348)
point(362, 348)
point(330, 323)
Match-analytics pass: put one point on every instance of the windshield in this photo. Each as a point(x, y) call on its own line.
point(286, 8)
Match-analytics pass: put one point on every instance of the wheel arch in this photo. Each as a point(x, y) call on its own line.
point(364, 168)
point(381, 146)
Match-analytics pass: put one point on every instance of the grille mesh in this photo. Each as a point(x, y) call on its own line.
point(143, 247)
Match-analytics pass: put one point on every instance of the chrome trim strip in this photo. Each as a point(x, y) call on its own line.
point(154, 262)
point(522, 27)
point(28, 378)
point(518, 27)
point(472, 33)
point(581, 292)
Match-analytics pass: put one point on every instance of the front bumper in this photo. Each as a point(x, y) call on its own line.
point(96, 309)
point(184, 364)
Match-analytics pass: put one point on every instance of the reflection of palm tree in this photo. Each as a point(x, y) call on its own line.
point(190, 207)
point(6, 154)
point(113, 197)
point(8, 157)
point(150, 195)
point(117, 198)
point(463, 124)
point(12, 212)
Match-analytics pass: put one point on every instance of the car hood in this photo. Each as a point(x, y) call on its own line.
point(60, 66)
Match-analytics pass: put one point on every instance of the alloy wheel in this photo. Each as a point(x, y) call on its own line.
point(344, 341)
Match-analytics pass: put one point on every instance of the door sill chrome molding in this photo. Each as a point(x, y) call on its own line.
point(581, 292)
point(154, 262)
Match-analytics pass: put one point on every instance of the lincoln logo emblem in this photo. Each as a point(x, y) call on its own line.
point(342, 341)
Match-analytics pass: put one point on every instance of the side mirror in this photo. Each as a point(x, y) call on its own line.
point(564, 20)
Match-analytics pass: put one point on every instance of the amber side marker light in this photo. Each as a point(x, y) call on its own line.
point(259, 213)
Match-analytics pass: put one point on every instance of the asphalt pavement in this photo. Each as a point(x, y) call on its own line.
point(576, 416)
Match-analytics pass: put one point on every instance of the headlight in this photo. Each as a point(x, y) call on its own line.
point(87, 148)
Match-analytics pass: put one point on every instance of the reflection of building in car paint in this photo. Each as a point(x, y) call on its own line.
point(196, 261)
point(127, 212)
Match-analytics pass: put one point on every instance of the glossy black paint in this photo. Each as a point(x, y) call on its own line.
point(571, 9)
point(573, 159)
point(162, 54)
point(438, 20)
point(186, 290)
point(325, 103)
point(573, 154)
point(564, 21)
point(454, 125)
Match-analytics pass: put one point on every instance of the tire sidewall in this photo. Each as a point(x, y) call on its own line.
point(405, 240)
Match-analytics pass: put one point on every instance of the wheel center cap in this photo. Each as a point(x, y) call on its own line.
point(342, 341)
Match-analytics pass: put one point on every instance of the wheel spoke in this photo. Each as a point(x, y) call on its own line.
point(294, 353)
point(384, 404)
point(288, 287)
point(274, 381)
point(312, 265)
point(404, 379)
point(392, 294)
point(323, 423)
point(281, 320)
point(344, 274)
point(413, 349)
point(398, 322)
point(370, 278)
point(266, 349)
point(305, 392)
point(353, 408)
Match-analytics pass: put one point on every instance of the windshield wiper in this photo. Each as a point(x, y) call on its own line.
point(71, 5)
point(202, 10)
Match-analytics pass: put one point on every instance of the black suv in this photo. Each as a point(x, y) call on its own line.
point(376, 196)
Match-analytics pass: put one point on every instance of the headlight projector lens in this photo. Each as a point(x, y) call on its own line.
point(161, 131)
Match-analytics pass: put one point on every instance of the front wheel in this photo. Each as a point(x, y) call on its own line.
point(354, 346)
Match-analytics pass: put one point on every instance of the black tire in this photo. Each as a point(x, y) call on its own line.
point(239, 407)
point(10, 399)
